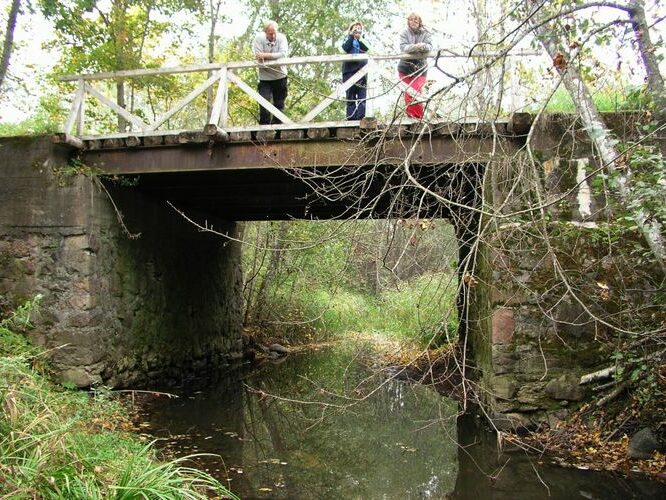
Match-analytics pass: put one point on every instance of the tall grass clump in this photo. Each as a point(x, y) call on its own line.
point(58, 443)
point(422, 311)
point(606, 100)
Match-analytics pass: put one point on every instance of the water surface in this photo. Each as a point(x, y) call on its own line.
point(323, 425)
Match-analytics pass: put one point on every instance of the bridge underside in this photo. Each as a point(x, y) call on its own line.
point(276, 194)
point(368, 177)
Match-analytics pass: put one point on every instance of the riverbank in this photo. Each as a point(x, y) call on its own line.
point(59, 442)
point(591, 439)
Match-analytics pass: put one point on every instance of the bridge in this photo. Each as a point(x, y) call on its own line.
point(301, 168)
point(131, 310)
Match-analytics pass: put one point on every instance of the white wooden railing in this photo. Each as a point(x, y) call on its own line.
point(223, 75)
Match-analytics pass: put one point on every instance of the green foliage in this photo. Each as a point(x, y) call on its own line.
point(641, 370)
point(623, 286)
point(647, 190)
point(420, 311)
point(66, 444)
point(648, 183)
point(18, 320)
point(66, 173)
point(607, 100)
point(21, 317)
point(637, 98)
point(332, 278)
point(635, 356)
point(106, 36)
point(95, 36)
point(46, 120)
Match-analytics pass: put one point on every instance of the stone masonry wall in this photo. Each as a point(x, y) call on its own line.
point(543, 280)
point(116, 310)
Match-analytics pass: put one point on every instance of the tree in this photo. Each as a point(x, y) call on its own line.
point(604, 140)
point(109, 36)
point(8, 43)
point(212, 13)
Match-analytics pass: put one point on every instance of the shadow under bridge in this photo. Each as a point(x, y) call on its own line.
point(423, 170)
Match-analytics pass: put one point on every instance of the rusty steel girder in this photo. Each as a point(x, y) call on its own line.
point(296, 154)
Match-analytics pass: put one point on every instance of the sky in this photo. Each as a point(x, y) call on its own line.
point(448, 20)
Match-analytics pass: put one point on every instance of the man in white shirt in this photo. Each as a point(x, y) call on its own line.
point(268, 46)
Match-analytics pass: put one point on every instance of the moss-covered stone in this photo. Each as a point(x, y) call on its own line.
point(126, 310)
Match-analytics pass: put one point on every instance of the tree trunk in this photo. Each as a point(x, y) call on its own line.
point(602, 138)
point(272, 268)
point(655, 82)
point(9, 40)
point(253, 273)
point(122, 48)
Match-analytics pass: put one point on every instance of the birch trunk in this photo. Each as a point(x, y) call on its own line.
point(655, 82)
point(602, 138)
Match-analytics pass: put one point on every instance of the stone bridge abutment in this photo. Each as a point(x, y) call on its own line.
point(115, 309)
point(549, 277)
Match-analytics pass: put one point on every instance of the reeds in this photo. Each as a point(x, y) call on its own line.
point(59, 443)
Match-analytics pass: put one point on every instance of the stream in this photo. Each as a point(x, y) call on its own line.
point(323, 425)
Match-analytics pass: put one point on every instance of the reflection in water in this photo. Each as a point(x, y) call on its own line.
point(332, 431)
point(321, 426)
point(485, 474)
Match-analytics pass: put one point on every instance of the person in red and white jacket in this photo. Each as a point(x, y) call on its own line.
point(416, 40)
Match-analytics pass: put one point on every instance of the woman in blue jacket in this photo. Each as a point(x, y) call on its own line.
point(356, 94)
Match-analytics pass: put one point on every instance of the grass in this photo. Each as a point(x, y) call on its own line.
point(59, 443)
point(421, 311)
point(605, 100)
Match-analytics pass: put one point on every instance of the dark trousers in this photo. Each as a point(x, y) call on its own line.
point(275, 92)
point(356, 95)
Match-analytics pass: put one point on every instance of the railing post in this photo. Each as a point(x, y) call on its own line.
point(218, 115)
point(369, 92)
point(75, 117)
point(81, 114)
